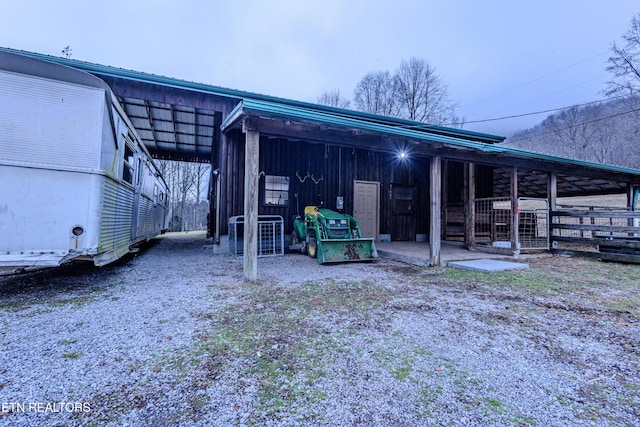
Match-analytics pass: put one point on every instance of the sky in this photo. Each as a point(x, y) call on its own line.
point(498, 57)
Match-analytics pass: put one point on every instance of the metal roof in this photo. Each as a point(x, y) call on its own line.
point(181, 120)
point(174, 128)
point(250, 107)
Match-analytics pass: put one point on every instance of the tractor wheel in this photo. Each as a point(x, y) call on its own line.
point(312, 248)
point(296, 240)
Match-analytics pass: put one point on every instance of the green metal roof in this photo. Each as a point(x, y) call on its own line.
point(255, 107)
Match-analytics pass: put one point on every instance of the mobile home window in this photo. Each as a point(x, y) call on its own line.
point(276, 190)
point(127, 169)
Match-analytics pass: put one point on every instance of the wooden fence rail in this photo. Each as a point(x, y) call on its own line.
point(612, 235)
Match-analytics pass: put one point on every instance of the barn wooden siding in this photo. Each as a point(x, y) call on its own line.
point(335, 169)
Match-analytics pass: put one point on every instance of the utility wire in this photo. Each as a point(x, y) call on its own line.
point(536, 79)
point(533, 113)
point(529, 137)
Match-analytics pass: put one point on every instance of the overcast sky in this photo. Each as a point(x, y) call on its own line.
point(498, 57)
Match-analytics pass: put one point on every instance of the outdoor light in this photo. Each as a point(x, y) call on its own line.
point(402, 155)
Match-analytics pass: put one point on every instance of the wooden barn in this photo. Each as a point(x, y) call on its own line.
point(403, 180)
point(410, 181)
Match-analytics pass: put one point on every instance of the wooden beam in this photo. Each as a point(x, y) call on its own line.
point(435, 192)
point(470, 204)
point(514, 211)
point(251, 184)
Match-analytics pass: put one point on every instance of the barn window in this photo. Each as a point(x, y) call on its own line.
point(276, 190)
point(403, 199)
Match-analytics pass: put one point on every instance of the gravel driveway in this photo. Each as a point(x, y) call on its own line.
point(174, 337)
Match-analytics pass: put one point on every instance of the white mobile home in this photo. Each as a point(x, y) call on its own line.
point(75, 180)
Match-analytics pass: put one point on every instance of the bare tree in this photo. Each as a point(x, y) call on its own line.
point(186, 182)
point(624, 64)
point(604, 132)
point(333, 99)
point(376, 94)
point(422, 94)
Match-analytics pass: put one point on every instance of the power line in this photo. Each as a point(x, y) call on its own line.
point(537, 79)
point(533, 113)
point(550, 94)
point(529, 137)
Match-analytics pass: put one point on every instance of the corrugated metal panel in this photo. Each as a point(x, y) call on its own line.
point(117, 219)
point(146, 220)
point(37, 112)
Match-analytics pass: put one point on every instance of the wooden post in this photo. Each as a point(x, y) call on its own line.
point(435, 191)
point(445, 198)
point(630, 207)
point(552, 195)
point(221, 180)
point(515, 241)
point(470, 204)
point(223, 209)
point(251, 184)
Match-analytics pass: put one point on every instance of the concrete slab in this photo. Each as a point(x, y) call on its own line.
point(487, 265)
point(417, 253)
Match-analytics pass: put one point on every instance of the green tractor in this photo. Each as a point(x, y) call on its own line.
point(330, 236)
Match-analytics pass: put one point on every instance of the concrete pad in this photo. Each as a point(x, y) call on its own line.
point(486, 265)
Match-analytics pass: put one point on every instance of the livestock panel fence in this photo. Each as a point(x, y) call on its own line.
point(493, 221)
point(270, 235)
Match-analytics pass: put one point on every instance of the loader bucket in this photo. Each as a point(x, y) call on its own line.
point(344, 250)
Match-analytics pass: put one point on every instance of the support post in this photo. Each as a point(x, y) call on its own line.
point(470, 204)
point(552, 195)
point(435, 192)
point(445, 199)
point(251, 183)
point(223, 209)
point(631, 222)
point(216, 160)
point(515, 214)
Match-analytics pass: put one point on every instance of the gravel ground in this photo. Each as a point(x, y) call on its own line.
point(174, 337)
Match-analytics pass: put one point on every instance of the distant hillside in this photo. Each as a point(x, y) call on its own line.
point(606, 132)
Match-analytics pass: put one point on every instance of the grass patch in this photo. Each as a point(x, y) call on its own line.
point(75, 301)
point(611, 285)
point(72, 355)
point(280, 333)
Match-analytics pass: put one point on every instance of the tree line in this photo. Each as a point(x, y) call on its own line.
point(604, 132)
point(188, 186)
point(413, 92)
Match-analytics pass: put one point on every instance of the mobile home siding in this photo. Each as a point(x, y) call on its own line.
point(34, 110)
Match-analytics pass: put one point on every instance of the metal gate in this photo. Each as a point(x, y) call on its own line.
point(270, 235)
point(533, 217)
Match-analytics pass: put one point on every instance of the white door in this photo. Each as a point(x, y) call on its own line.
point(366, 207)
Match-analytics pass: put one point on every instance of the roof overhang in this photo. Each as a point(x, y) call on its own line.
point(298, 123)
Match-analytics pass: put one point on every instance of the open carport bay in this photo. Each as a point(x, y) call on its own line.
point(174, 336)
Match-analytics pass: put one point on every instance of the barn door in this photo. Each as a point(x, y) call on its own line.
point(366, 207)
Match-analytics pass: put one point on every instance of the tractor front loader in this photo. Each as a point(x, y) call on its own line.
point(331, 236)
